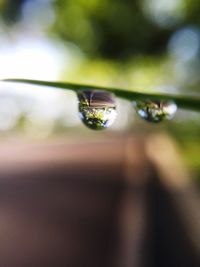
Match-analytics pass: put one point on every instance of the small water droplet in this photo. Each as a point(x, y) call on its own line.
point(155, 111)
point(97, 109)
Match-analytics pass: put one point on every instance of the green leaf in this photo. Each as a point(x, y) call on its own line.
point(182, 101)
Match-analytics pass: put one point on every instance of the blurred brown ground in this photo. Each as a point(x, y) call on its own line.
point(120, 202)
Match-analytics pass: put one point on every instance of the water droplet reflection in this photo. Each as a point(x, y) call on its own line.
point(155, 111)
point(97, 109)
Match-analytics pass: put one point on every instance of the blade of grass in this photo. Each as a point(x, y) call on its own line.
point(182, 101)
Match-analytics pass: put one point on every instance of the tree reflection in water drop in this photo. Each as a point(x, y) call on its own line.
point(155, 111)
point(97, 109)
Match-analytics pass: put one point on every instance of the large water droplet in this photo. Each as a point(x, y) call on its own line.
point(155, 111)
point(97, 109)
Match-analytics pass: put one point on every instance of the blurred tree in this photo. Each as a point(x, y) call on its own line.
point(11, 10)
point(112, 29)
point(118, 29)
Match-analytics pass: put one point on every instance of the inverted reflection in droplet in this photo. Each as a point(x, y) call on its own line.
point(97, 109)
point(155, 111)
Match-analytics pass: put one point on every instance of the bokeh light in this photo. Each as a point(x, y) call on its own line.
point(165, 13)
point(184, 44)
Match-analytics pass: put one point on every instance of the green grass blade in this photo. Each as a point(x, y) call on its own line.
point(185, 102)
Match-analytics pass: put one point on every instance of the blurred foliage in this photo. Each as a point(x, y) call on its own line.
point(146, 44)
point(11, 10)
point(112, 29)
point(146, 35)
point(115, 28)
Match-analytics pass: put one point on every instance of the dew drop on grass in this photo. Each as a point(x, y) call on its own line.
point(155, 111)
point(97, 108)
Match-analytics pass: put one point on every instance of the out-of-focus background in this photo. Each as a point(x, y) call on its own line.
point(148, 45)
point(142, 44)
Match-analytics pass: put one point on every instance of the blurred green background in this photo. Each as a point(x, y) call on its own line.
point(141, 44)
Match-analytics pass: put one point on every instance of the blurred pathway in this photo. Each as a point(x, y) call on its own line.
point(105, 203)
